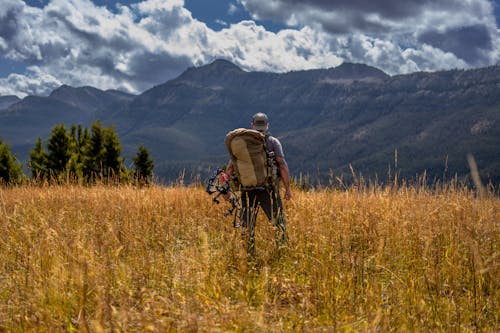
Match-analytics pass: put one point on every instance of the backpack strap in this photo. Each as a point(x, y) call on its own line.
point(272, 165)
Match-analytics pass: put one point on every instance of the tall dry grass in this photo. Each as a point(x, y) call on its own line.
point(98, 259)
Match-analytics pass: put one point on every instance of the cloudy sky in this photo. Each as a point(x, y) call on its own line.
point(133, 45)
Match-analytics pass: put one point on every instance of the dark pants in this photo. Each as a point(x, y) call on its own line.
point(271, 203)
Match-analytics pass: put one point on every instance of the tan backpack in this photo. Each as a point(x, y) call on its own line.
point(249, 157)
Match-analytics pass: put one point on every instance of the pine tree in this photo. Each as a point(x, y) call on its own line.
point(79, 138)
point(10, 169)
point(38, 162)
point(143, 165)
point(59, 150)
point(112, 161)
point(93, 152)
point(83, 140)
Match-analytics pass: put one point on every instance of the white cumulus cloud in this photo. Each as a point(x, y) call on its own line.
point(77, 43)
point(35, 82)
point(396, 35)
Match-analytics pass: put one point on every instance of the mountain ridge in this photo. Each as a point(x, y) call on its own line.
point(8, 100)
point(327, 119)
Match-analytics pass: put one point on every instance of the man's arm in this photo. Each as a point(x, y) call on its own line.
point(229, 170)
point(285, 176)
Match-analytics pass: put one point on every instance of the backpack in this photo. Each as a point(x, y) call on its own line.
point(252, 164)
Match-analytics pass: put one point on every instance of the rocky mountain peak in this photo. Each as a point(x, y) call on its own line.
point(219, 70)
point(357, 71)
point(88, 98)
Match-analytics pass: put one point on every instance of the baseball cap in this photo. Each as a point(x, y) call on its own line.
point(260, 121)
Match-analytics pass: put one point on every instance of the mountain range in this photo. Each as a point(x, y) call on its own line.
point(328, 120)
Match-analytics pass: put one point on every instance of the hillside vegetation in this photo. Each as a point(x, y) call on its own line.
point(165, 259)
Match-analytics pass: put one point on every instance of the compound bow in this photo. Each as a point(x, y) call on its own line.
point(219, 183)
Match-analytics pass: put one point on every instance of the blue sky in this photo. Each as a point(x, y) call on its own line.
point(133, 45)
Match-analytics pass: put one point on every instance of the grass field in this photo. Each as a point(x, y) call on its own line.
point(125, 259)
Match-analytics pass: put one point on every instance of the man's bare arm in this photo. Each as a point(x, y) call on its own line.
point(230, 169)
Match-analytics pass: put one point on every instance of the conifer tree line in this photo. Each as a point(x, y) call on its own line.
point(78, 154)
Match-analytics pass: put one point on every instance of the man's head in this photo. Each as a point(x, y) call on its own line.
point(260, 122)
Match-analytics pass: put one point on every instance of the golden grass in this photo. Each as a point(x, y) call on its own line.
point(101, 258)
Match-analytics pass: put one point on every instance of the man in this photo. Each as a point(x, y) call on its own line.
point(268, 199)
